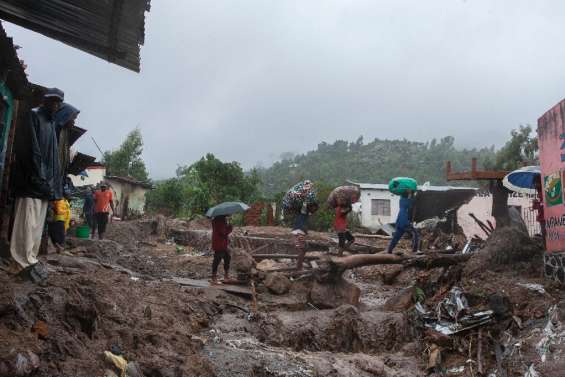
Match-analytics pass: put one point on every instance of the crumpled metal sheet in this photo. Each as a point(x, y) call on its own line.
point(533, 287)
point(448, 318)
point(552, 334)
point(531, 372)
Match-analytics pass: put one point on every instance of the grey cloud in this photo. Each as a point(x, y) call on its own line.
point(248, 80)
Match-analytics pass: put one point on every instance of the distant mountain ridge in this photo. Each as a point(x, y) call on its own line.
point(375, 162)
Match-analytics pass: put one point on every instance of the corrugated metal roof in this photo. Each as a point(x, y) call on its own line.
point(424, 187)
point(129, 180)
point(112, 30)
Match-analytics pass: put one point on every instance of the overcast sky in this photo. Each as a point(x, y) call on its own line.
point(250, 79)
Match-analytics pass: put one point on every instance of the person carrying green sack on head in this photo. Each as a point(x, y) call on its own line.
point(406, 188)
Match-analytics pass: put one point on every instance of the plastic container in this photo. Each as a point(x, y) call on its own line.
point(82, 231)
point(400, 185)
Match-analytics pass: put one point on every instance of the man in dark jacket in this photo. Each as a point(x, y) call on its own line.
point(35, 183)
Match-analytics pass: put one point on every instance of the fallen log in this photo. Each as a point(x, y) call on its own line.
point(282, 256)
point(332, 268)
point(377, 236)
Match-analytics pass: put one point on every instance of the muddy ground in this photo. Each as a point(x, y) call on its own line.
point(118, 293)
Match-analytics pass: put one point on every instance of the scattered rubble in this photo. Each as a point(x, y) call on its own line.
point(448, 314)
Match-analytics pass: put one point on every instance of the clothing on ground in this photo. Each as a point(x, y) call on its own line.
point(102, 201)
point(220, 233)
point(37, 170)
point(344, 237)
point(218, 257)
point(29, 220)
point(399, 232)
point(101, 222)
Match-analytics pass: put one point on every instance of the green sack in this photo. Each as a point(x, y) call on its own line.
point(400, 185)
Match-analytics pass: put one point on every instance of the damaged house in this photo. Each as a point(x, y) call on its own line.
point(378, 206)
point(129, 196)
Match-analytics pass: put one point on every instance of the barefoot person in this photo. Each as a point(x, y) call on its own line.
point(404, 222)
point(300, 231)
point(340, 225)
point(220, 245)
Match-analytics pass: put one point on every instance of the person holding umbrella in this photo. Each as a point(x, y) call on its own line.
point(221, 230)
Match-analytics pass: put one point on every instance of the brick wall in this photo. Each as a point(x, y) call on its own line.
point(253, 215)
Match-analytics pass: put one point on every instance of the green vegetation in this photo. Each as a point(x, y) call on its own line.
point(126, 161)
point(374, 162)
point(202, 185)
point(522, 148)
point(210, 181)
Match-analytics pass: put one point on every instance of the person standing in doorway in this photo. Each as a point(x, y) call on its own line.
point(404, 222)
point(35, 183)
point(103, 202)
point(221, 230)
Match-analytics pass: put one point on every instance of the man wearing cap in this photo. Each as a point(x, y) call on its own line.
point(103, 201)
point(35, 181)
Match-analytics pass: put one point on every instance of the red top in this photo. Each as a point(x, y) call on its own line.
point(220, 232)
point(340, 223)
point(102, 201)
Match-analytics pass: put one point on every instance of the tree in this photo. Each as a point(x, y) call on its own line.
point(521, 149)
point(202, 185)
point(126, 161)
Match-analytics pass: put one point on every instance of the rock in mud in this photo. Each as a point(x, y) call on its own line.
point(277, 283)
point(242, 262)
point(333, 295)
point(511, 244)
point(401, 302)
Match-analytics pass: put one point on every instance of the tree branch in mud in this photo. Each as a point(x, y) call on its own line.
point(334, 267)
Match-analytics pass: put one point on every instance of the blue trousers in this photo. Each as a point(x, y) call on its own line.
point(399, 232)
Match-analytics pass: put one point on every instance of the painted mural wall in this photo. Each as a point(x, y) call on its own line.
point(551, 135)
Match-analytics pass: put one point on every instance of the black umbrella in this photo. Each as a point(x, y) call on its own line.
point(227, 208)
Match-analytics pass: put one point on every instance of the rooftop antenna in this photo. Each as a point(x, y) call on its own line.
point(95, 143)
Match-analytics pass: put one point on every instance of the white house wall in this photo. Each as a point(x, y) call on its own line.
point(373, 221)
point(481, 206)
point(95, 176)
point(134, 193)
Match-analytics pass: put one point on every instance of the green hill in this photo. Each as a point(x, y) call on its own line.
point(374, 162)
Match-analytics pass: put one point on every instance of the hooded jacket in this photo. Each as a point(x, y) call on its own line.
point(65, 113)
point(37, 162)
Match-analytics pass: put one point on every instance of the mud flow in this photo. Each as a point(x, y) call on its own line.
point(143, 295)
